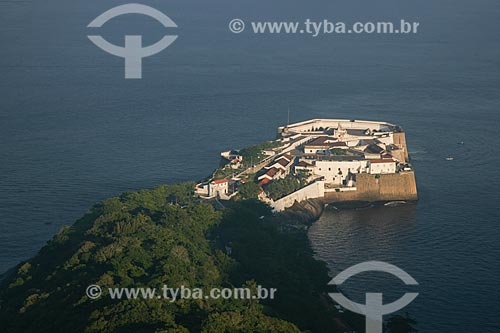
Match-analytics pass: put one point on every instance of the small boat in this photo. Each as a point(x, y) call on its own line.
point(449, 158)
point(461, 143)
point(394, 203)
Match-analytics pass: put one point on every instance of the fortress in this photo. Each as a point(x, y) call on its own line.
point(351, 160)
point(334, 160)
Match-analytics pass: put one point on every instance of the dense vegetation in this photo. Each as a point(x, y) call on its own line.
point(254, 154)
point(248, 190)
point(226, 172)
point(282, 187)
point(337, 151)
point(251, 156)
point(163, 236)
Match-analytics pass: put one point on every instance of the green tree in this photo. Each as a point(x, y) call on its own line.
point(255, 154)
point(249, 190)
point(282, 187)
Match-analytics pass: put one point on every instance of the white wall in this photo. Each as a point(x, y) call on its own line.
point(333, 123)
point(202, 189)
point(315, 190)
point(330, 169)
point(218, 188)
point(308, 150)
point(382, 168)
point(295, 145)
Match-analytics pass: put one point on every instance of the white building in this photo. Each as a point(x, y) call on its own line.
point(382, 166)
point(231, 155)
point(304, 167)
point(220, 186)
point(337, 171)
point(323, 144)
point(283, 164)
point(211, 189)
point(271, 174)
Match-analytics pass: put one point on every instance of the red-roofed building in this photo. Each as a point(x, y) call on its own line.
point(283, 163)
point(264, 181)
point(211, 189)
point(270, 174)
point(323, 144)
point(218, 186)
point(382, 166)
point(220, 181)
point(304, 166)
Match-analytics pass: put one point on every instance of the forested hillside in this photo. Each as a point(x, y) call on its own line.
point(161, 237)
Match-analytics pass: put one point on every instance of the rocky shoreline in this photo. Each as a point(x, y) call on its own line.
point(303, 213)
point(309, 211)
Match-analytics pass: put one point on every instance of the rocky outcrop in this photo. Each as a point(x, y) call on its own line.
point(304, 212)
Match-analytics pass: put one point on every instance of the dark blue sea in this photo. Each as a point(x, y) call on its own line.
point(73, 131)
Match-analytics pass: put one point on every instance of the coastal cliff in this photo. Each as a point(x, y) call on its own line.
point(304, 212)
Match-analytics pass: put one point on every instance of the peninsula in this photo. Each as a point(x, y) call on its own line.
point(183, 235)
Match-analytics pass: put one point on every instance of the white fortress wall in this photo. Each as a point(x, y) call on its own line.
point(306, 126)
point(295, 145)
point(312, 191)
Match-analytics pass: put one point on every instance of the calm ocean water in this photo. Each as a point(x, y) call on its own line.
point(73, 132)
